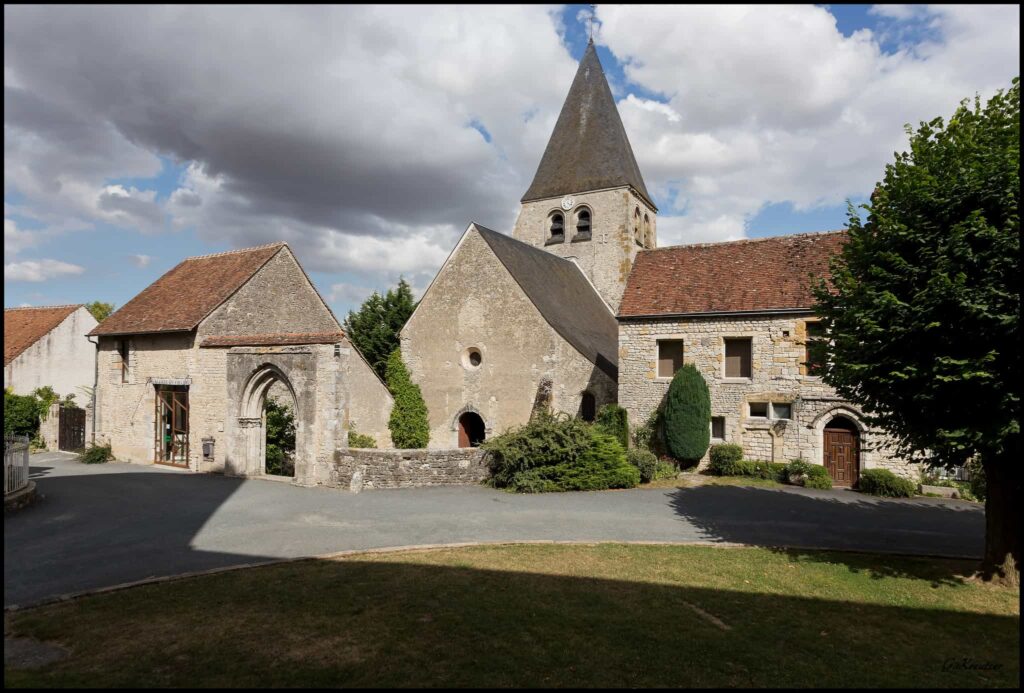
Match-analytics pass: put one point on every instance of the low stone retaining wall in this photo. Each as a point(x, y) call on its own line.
point(357, 469)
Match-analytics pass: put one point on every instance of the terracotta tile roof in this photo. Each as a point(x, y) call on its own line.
point(23, 327)
point(272, 339)
point(189, 292)
point(750, 275)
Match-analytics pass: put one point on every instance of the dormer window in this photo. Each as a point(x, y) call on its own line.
point(636, 227)
point(582, 225)
point(556, 228)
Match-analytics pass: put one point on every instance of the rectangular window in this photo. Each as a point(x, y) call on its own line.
point(718, 427)
point(122, 349)
point(670, 358)
point(782, 411)
point(759, 409)
point(737, 357)
point(814, 357)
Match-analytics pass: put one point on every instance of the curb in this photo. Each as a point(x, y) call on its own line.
point(416, 548)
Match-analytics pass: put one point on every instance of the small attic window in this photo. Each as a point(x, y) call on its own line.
point(583, 224)
point(556, 229)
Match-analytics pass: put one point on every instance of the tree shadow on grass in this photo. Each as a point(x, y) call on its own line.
point(802, 523)
point(423, 622)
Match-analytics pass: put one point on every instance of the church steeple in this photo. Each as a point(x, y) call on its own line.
point(589, 149)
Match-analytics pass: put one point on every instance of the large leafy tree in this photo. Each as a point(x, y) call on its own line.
point(100, 310)
point(922, 315)
point(374, 328)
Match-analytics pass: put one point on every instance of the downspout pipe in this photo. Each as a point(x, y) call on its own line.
point(95, 386)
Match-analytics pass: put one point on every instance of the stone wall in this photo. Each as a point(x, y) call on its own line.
point(608, 256)
point(777, 376)
point(63, 358)
point(474, 303)
point(356, 469)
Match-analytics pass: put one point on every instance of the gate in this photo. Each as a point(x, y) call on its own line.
point(71, 429)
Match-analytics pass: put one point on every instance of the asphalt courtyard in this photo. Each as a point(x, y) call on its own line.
point(102, 525)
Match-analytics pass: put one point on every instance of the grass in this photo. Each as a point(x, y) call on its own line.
point(608, 615)
point(712, 480)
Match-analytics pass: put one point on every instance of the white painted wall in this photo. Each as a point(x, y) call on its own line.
point(63, 358)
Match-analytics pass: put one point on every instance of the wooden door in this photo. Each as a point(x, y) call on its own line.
point(172, 426)
point(71, 429)
point(463, 433)
point(841, 453)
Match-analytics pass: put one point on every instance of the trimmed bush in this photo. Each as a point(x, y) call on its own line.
point(882, 482)
point(645, 461)
point(558, 453)
point(360, 440)
point(688, 416)
point(665, 470)
point(96, 454)
point(408, 421)
point(613, 420)
point(817, 477)
point(796, 470)
point(725, 458)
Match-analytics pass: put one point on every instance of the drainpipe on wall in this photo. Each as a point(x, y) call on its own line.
point(95, 386)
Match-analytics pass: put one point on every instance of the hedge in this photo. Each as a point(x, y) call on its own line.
point(882, 482)
point(360, 440)
point(688, 415)
point(645, 461)
point(408, 421)
point(725, 458)
point(614, 421)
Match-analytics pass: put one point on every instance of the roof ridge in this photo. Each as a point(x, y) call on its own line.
point(235, 252)
point(532, 248)
point(745, 240)
point(66, 305)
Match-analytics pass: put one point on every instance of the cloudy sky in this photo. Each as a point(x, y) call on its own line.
point(369, 137)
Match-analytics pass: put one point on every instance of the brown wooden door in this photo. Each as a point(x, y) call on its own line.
point(463, 433)
point(841, 456)
point(71, 429)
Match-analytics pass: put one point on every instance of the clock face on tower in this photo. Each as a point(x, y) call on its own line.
point(567, 203)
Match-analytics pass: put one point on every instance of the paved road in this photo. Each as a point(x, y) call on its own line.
point(100, 525)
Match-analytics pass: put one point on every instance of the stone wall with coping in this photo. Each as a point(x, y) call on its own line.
point(777, 376)
point(357, 469)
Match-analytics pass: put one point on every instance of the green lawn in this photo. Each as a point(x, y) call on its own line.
point(606, 615)
point(712, 480)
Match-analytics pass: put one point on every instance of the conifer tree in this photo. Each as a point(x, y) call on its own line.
point(688, 416)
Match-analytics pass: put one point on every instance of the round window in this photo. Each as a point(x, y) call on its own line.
point(472, 358)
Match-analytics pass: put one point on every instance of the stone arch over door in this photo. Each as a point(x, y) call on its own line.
point(462, 417)
point(842, 418)
point(251, 373)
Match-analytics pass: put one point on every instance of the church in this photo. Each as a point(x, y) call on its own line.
point(579, 308)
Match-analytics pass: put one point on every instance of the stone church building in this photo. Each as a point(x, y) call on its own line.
point(185, 367)
point(580, 308)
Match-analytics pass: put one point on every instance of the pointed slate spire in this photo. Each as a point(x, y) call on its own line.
point(588, 149)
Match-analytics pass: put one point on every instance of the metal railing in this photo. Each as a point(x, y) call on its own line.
point(15, 464)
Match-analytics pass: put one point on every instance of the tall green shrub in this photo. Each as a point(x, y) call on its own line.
point(21, 414)
point(688, 416)
point(408, 422)
point(613, 420)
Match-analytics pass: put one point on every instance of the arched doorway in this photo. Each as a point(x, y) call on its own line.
point(588, 407)
point(471, 430)
point(841, 450)
point(268, 418)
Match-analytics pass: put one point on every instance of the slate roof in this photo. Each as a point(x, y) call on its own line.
point(273, 339)
point(589, 149)
point(23, 327)
point(182, 298)
point(563, 295)
point(759, 274)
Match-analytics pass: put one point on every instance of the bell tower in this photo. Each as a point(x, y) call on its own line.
point(588, 201)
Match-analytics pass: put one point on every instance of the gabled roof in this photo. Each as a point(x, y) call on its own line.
point(23, 327)
point(760, 274)
point(563, 295)
point(589, 149)
point(182, 298)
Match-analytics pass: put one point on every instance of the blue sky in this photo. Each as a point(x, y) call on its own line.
point(357, 151)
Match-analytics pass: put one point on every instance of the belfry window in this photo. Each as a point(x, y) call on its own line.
point(582, 224)
point(648, 239)
point(636, 227)
point(556, 228)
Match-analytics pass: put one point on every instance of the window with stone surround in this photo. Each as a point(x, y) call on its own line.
point(770, 410)
point(814, 348)
point(670, 357)
point(738, 352)
point(718, 428)
point(758, 409)
point(124, 353)
point(582, 224)
point(556, 228)
point(636, 227)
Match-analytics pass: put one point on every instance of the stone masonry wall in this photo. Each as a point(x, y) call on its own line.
point(474, 303)
point(356, 469)
point(608, 256)
point(776, 376)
